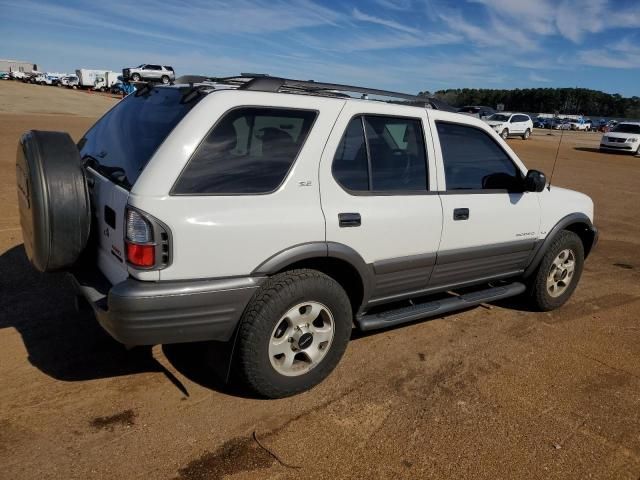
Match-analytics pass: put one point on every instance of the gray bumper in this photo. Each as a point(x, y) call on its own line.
point(149, 313)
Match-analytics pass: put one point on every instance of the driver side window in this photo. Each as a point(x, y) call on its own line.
point(474, 161)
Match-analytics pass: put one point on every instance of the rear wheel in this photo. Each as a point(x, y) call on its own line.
point(293, 333)
point(526, 134)
point(558, 273)
point(505, 134)
point(165, 79)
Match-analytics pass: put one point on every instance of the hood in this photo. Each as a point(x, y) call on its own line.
point(622, 135)
point(494, 123)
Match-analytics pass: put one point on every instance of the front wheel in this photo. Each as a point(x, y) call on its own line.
point(135, 77)
point(526, 134)
point(558, 273)
point(293, 333)
point(505, 134)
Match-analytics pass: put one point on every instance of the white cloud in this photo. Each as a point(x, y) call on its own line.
point(534, 77)
point(364, 17)
point(572, 19)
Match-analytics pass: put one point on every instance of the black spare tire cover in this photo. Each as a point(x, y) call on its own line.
point(53, 198)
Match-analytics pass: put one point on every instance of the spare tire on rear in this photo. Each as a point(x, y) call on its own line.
point(53, 198)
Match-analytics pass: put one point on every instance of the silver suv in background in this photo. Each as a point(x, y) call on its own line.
point(147, 71)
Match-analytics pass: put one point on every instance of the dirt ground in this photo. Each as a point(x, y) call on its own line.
point(492, 392)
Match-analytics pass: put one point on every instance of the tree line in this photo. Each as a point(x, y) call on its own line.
point(549, 100)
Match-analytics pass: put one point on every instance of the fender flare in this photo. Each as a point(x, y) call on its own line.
point(541, 249)
point(307, 251)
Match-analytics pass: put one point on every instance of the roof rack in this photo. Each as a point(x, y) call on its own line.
point(265, 83)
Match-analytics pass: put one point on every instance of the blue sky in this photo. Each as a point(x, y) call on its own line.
point(408, 45)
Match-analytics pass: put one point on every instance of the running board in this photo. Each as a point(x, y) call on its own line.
point(402, 315)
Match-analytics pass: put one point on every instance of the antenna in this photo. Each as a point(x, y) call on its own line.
point(553, 169)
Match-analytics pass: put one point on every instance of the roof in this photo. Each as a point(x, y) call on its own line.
point(266, 83)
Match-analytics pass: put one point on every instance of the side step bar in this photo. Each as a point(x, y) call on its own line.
point(398, 316)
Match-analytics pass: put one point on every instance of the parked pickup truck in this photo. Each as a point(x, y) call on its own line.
point(279, 214)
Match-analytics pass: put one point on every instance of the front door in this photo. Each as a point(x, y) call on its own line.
point(489, 225)
point(375, 178)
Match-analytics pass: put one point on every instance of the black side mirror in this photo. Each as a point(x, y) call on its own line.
point(535, 181)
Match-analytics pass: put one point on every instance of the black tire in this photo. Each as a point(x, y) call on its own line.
point(165, 79)
point(53, 199)
point(135, 77)
point(504, 134)
point(526, 134)
point(540, 296)
point(277, 296)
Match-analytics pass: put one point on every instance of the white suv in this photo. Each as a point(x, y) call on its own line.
point(278, 214)
point(511, 124)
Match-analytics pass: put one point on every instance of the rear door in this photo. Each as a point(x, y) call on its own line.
point(490, 226)
point(377, 184)
point(108, 204)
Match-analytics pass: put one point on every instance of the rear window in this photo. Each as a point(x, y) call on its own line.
point(123, 141)
point(250, 151)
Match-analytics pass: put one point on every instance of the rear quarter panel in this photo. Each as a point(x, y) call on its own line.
point(230, 235)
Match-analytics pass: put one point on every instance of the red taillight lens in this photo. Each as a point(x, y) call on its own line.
point(141, 255)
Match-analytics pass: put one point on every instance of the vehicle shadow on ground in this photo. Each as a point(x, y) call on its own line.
point(69, 345)
point(597, 150)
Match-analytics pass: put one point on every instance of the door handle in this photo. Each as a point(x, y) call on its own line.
point(461, 214)
point(349, 220)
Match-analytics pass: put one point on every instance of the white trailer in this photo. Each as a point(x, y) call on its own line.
point(87, 77)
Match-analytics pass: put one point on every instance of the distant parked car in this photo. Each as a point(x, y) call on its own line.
point(540, 122)
point(156, 73)
point(623, 137)
point(477, 111)
point(561, 124)
point(578, 124)
point(70, 81)
point(4, 76)
point(511, 124)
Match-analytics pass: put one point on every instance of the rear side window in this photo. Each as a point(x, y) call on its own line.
point(382, 154)
point(121, 143)
point(250, 151)
point(474, 161)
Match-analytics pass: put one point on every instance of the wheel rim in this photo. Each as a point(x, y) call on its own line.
point(526, 134)
point(301, 339)
point(165, 80)
point(561, 273)
point(505, 134)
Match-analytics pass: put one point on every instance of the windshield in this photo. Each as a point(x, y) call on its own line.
point(123, 141)
point(498, 117)
point(626, 128)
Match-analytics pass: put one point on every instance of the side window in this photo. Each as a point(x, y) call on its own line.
point(388, 155)
point(250, 151)
point(474, 161)
point(398, 159)
point(520, 118)
point(154, 67)
point(350, 166)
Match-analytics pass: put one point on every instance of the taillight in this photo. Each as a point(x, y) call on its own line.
point(146, 241)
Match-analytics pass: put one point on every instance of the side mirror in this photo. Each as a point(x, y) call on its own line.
point(535, 181)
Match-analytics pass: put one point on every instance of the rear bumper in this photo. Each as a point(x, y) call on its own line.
point(149, 313)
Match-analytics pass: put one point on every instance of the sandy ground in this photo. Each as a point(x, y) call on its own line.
point(498, 392)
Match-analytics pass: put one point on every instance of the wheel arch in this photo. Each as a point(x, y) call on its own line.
point(577, 223)
point(338, 261)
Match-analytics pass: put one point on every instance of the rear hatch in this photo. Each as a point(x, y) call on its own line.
point(115, 151)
